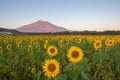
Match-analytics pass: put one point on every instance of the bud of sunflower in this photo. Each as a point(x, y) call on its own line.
point(33, 70)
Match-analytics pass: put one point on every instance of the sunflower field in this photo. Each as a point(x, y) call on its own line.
point(59, 57)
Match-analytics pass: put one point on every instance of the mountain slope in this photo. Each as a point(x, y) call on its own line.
point(41, 26)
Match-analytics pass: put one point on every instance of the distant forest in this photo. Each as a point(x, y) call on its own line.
point(107, 32)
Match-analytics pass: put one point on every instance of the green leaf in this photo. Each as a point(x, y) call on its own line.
point(84, 76)
point(38, 74)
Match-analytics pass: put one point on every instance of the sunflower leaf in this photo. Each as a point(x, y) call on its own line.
point(84, 76)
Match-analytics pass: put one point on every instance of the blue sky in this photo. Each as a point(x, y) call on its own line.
point(72, 14)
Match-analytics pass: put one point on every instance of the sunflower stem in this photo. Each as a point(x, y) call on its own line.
point(98, 68)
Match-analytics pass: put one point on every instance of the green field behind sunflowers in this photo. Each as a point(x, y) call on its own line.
point(59, 57)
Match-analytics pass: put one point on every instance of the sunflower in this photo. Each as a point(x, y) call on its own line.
point(106, 42)
point(118, 40)
point(60, 43)
point(52, 50)
point(33, 70)
point(109, 43)
point(9, 46)
point(97, 44)
point(75, 54)
point(45, 44)
point(29, 47)
point(79, 41)
point(51, 68)
point(36, 45)
point(5, 41)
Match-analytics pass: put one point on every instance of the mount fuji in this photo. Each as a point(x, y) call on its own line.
point(41, 26)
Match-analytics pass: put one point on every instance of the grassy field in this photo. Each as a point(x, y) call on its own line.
point(59, 57)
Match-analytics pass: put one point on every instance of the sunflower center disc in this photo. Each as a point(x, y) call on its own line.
point(110, 42)
point(75, 54)
point(98, 44)
point(51, 67)
point(52, 50)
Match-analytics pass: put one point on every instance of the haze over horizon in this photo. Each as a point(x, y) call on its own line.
point(71, 14)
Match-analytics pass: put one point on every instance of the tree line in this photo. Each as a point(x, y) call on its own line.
point(107, 32)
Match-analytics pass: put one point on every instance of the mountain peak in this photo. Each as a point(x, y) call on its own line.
point(42, 20)
point(41, 26)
